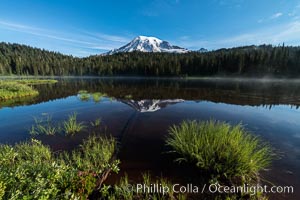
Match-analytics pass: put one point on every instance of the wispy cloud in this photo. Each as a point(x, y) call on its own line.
point(102, 37)
point(272, 17)
point(83, 40)
point(288, 33)
point(276, 15)
point(37, 32)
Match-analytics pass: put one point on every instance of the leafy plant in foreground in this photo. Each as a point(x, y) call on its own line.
point(31, 171)
point(228, 153)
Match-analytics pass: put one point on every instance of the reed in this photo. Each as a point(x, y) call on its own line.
point(44, 126)
point(96, 122)
point(71, 126)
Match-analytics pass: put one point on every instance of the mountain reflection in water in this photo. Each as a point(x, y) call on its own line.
point(147, 91)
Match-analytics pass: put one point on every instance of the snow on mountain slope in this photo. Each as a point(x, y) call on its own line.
point(148, 44)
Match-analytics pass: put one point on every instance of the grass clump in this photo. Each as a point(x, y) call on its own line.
point(97, 96)
point(84, 95)
point(69, 127)
point(72, 126)
point(31, 171)
point(96, 122)
point(11, 90)
point(228, 153)
point(44, 126)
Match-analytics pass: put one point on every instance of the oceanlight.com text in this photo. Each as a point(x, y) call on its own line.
point(211, 188)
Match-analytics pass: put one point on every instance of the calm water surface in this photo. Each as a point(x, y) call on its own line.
point(138, 112)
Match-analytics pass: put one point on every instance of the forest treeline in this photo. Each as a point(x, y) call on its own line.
point(263, 60)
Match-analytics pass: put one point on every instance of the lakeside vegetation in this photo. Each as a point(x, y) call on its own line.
point(255, 61)
point(36, 81)
point(30, 170)
point(11, 89)
point(228, 154)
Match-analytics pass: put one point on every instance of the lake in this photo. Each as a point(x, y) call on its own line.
point(138, 112)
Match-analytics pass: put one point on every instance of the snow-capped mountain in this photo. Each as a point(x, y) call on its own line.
point(150, 105)
point(148, 44)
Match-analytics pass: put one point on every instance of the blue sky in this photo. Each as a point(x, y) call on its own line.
point(85, 27)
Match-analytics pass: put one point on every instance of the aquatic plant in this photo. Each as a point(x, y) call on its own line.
point(96, 122)
point(31, 171)
point(71, 126)
point(227, 153)
point(97, 96)
point(84, 97)
point(44, 126)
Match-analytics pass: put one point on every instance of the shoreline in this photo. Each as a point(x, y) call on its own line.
point(191, 78)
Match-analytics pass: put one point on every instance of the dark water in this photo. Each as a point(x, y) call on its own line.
point(138, 112)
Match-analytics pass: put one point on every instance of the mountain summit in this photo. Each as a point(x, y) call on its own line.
point(148, 44)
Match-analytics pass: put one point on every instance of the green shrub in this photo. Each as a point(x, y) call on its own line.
point(226, 152)
point(31, 171)
point(2, 190)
